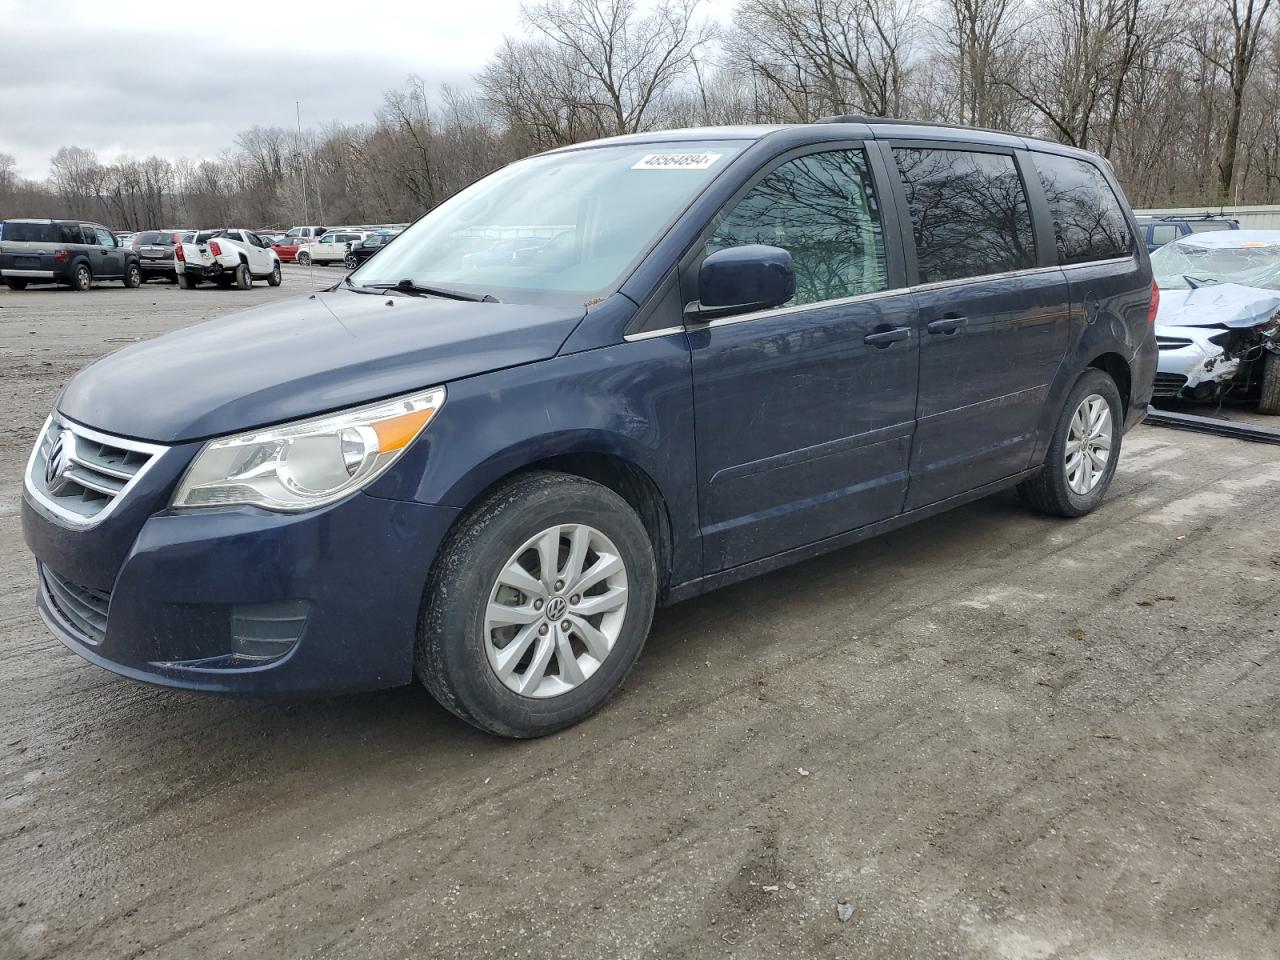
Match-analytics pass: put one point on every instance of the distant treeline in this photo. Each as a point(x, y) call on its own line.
point(1183, 98)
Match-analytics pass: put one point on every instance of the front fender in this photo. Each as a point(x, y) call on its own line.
point(630, 401)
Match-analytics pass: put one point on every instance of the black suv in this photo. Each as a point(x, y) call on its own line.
point(70, 252)
point(366, 248)
point(155, 252)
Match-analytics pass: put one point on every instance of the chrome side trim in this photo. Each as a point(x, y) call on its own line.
point(68, 517)
point(650, 334)
point(1098, 263)
point(798, 308)
point(984, 278)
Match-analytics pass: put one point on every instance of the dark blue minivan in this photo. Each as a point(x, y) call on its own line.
point(607, 377)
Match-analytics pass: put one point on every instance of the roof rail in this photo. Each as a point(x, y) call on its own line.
point(859, 118)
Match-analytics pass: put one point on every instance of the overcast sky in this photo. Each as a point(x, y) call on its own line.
point(155, 76)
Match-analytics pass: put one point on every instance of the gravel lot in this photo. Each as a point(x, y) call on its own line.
point(994, 735)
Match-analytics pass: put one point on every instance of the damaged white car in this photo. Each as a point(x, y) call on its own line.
point(1218, 325)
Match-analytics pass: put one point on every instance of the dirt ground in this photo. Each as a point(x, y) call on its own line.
point(992, 735)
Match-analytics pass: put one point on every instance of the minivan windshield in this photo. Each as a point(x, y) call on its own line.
point(567, 223)
point(1251, 259)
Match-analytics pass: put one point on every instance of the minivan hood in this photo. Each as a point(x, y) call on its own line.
point(1217, 305)
point(304, 356)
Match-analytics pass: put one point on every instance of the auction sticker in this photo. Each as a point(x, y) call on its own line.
point(676, 161)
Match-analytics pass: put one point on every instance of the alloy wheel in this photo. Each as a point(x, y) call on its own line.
point(1088, 448)
point(556, 610)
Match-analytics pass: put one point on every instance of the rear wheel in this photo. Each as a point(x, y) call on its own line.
point(185, 282)
point(132, 277)
point(538, 605)
point(1083, 452)
point(15, 283)
point(1269, 402)
point(243, 278)
point(81, 278)
point(273, 278)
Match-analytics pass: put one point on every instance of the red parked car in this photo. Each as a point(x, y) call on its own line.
point(287, 248)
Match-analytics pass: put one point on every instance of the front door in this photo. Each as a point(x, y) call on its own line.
point(109, 254)
point(993, 320)
point(804, 413)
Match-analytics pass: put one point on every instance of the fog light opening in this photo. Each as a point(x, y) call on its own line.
point(262, 632)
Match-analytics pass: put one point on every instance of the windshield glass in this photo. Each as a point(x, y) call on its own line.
point(567, 223)
point(28, 232)
point(1186, 264)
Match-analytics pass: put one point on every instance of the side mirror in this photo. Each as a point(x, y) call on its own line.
point(740, 279)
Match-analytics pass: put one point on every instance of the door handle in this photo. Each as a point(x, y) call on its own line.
point(947, 325)
point(887, 338)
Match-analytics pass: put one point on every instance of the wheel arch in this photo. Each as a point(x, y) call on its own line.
point(1117, 368)
point(611, 469)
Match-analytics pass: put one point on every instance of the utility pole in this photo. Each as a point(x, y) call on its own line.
point(302, 154)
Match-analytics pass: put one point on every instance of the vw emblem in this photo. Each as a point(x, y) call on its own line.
point(55, 470)
point(556, 608)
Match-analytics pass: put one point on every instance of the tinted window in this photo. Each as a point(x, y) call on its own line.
point(1087, 218)
point(1208, 226)
point(1166, 233)
point(28, 232)
point(969, 212)
point(153, 237)
point(822, 210)
point(105, 238)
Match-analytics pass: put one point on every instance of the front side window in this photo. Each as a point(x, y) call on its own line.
point(822, 209)
point(561, 226)
point(969, 212)
point(1087, 219)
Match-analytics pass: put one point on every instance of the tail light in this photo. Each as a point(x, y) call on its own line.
point(179, 253)
point(214, 248)
point(60, 256)
point(1155, 304)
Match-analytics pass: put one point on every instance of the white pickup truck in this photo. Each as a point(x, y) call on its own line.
point(226, 256)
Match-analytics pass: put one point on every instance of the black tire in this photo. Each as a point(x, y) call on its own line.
point(15, 283)
point(451, 654)
point(185, 282)
point(1269, 401)
point(274, 278)
point(1048, 491)
point(303, 258)
point(81, 278)
point(132, 276)
point(243, 278)
point(349, 261)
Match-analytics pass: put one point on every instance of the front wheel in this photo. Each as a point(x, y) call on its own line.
point(349, 261)
point(132, 277)
point(538, 606)
point(1269, 402)
point(1083, 451)
point(273, 278)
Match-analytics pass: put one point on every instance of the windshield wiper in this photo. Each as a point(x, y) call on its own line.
point(409, 286)
point(1195, 283)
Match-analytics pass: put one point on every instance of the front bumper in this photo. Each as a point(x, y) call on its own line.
point(341, 588)
point(1191, 365)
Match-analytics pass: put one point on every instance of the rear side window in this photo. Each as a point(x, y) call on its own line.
point(820, 208)
point(1165, 233)
point(969, 212)
point(28, 232)
point(1208, 226)
point(1087, 218)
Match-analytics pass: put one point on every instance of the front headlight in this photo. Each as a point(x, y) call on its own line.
point(303, 465)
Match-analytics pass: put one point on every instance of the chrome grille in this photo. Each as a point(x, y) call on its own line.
point(83, 609)
point(79, 474)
